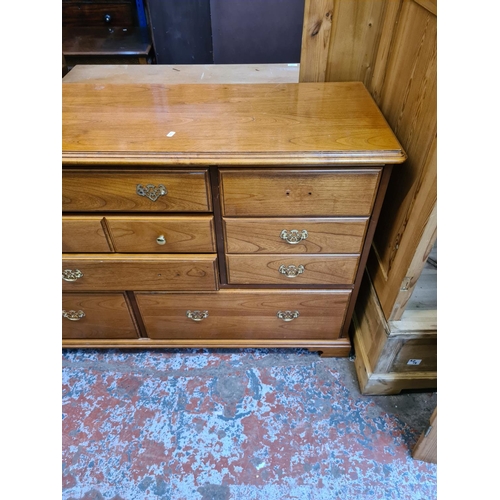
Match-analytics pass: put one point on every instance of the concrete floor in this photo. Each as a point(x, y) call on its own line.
point(245, 424)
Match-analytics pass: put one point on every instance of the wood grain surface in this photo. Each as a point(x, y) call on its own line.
point(224, 124)
point(318, 269)
point(87, 191)
point(141, 272)
point(184, 73)
point(239, 314)
point(107, 316)
point(324, 235)
point(84, 234)
point(189, 234)
point(267, 192)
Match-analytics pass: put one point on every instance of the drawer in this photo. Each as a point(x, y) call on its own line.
point(84, 234)
point(97, 316)
point(412, 354)
point(240, 314)
point(292, 235)
point(93, 272)
point(85, 14)
point(148, 191)
point(300, 269)
point(163, 234)
point(299, 193)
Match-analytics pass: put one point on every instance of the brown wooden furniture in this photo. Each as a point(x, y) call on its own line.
point(104, 32)
point(219, 215)
point(391, 46)
point(82, 45)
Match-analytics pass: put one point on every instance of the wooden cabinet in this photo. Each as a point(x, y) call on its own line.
point(104, 32)
point(391, 46)
point(225, 215)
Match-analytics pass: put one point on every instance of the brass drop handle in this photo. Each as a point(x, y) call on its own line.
point(161, 240)
point(287, 315)
point(69, 275)
point(291, 271)
point(151, 191)
point(73, 315)
point(293, 236)
point(197, 315)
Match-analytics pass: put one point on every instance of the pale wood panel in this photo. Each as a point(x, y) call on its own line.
point(141, 272)
point(316, 34)
point(242, 314)
point(413, 276)
point(318, 269)
point(188, 234)
point(408, 100)
point(84, 234)
point(390, 20)
point(298, 193)
point(87, 190)
point(383, 351)
point(419, 349)
point(430, 5)
point(324, 235)
point(184, 73)
point(107, 316)
point(333, 122)
point(356, 31)
point(426, 447)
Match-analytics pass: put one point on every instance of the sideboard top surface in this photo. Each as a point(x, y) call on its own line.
point(233, 124)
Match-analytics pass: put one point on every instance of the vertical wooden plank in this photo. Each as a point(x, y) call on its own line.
point(391, 16)
point(182, 31)
point(256, 32)
point(315, 40)
point(426, 447)
point(416, 266)
point(408, 100)
point(355, 35)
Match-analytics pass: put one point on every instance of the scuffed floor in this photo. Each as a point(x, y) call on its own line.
point(217, 425)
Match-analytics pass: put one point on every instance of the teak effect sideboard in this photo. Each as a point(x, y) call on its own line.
point(219, 215)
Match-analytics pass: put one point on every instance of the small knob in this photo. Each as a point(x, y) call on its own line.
point(161, 240)
point(107, 18)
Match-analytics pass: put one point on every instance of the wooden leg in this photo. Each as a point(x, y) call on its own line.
point(143, 60)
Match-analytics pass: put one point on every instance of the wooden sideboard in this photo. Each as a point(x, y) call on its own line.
point(219, 215)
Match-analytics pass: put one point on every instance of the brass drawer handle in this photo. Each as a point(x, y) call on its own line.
point(291, 271)
point(161, 240)
point(293, 237)
point(151, 191)
point(287, 315)
point(197, 315)
point(73, 315)
point(69, 275)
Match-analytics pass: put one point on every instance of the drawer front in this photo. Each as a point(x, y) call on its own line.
point(85, 14)
point(299, 193)
point(238, 314)
point(139, 272)
point(304, 235)
point(84, 234)
point(415, 355)
point(300, 269)
point(97, 316)
point(149, 191)
point(163, 234)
